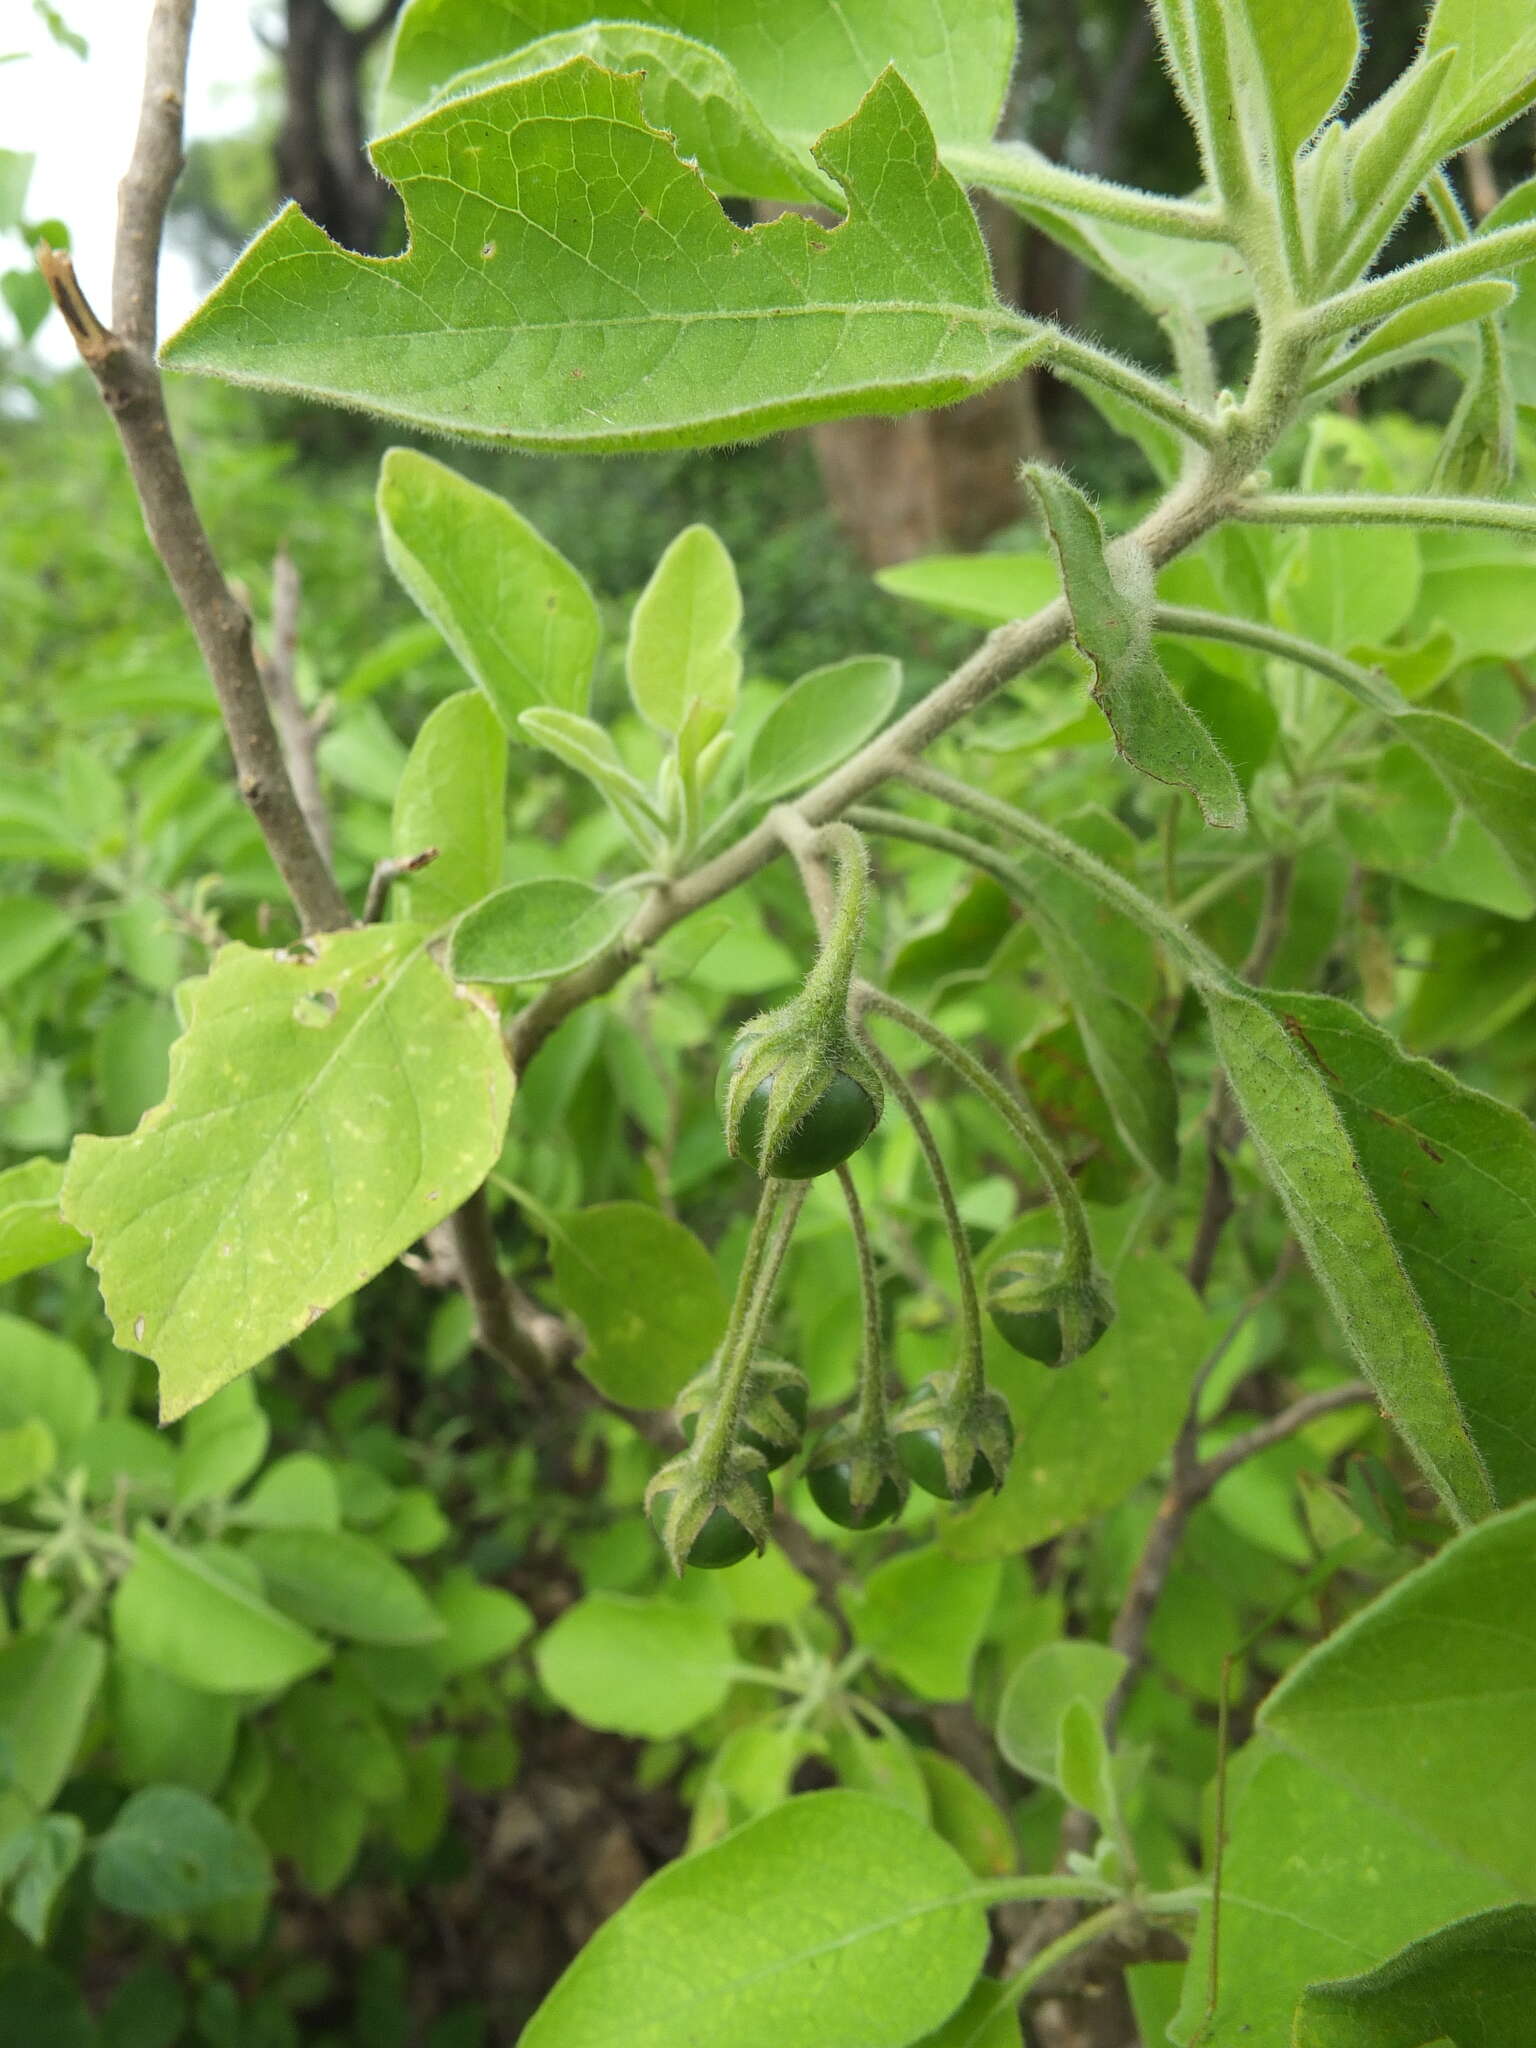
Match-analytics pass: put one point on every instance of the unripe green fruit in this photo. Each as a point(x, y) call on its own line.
point(722, 1540)
point(921, 1452)
point(836, 1125)
point(832, 1490)
point(919, 1433)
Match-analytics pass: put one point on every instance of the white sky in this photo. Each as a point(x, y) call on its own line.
point(78, 119)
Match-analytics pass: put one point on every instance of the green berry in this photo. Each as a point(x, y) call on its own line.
point(722, 1540)
point(832, 1130)
point(832, 1490)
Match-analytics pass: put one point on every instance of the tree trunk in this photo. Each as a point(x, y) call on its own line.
point(320, 156)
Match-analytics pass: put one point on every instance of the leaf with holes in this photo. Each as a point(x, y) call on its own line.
point(326, 1107)
point(613, 305)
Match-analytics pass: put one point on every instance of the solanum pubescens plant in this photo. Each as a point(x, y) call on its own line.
point(1312, 771)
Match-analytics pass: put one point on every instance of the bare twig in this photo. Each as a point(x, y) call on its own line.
point(296, 731)
point(1275, 1430)
point(386, 873)
point(121, 360)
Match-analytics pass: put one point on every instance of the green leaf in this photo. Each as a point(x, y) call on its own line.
point(165, 1732)
point(48, 1686)
point(173, 1610)
point(849, 1922)
point(804, 65)
point(43, 1378)
point(648, 1294)
point(584, 320)
point(1449, 1651)
point(1089, 1434)
point(687, 89)
point(1038, 1695)
point(533, 931)
point(28, 1454)
point(296, 1492)
point(989, 2018)
point(1308, 1159)
point(342, 1583)
point(1299, 79)
point(986, 590)
point(1473, 1982)
point(326, 1108)
point(482, 1624)
point(1493, 71)
point(922, 1615)
point(639, 1667)
point(819, 721)
point(587, 748)
point(1082, 1762)
point(967, 1819)
point(35, 1864)
point(511, 607)
point(31, 927)
point(1495, 788)
point(222, 1443)
point(1453, 1173)
point(452, 796)
point(682, 632)
point(32, 1231)
point(171, 1851)
point(1154, 728)
point(1317, 1882)
point(1402, 337)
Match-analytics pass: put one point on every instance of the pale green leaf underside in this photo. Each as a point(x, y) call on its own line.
point(802, 63)
point(1112, 623)
point(1472, 1982)
point(1308, 1159)
point(689, 90)
point(326, 1107)
point(514, 611)
point(532, 931)
point(571, 283)
point(1454, 1173)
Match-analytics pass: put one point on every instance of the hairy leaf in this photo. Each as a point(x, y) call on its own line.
point(613, 305)
point(326, 1108)
point(452, 796)
point(1308, 1159)
point(532, 931)
point(804, 64)
point(819, 721)
point(511, 607)
point(1111, 602)
point(1473, 1982)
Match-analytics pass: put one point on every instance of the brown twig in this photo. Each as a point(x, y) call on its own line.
point(121, 359)
point(386, 873)
point(297, 732)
